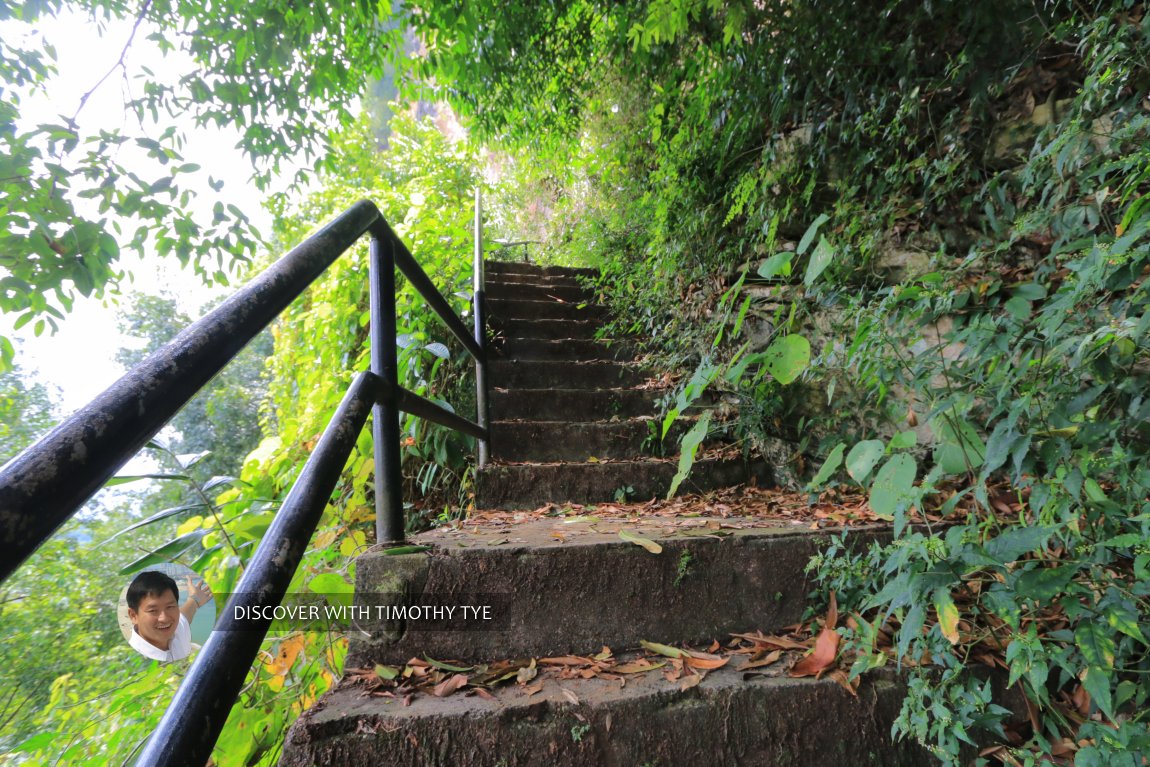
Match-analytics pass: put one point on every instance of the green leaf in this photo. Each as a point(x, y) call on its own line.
point(863, 457)
point(787, 357)
point(447, 666)
point(661, 649)
point(960, 448)
point(688, 446)
point(893, 487)
point(164, 553)
point(1094, 641)
point(780, 263)
point(812, 230)
point(1017, 541)
point(820, 260)
point(903, 440)
point(125, 479)
point(830, 465)
point(398, 550)
point(639, 540)
point(1097, 682)
point(386, 672)
point(330, 583)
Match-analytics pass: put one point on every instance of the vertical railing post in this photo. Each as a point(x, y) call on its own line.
point(479, 314)
point(389, 525)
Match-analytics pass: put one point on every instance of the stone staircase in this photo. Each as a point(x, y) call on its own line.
point(574, 418)
point(567, 585)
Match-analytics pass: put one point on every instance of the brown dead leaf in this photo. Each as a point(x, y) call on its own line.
point(689, 681)
point(839, 677)
point(484, 694)
point(826, 647)
point(781, 643)
point(832, 613)
point(570, 695)
point(450, 685)
point(637, 667)
point(706, 664)
point(771, 658)
point(565, 660)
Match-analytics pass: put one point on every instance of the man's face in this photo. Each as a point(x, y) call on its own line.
point(157, 618)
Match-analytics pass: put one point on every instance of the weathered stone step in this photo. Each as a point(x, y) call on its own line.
point(519, 309)
point(766, 721)
point(548, 329)
point(503, 268)
point(534, 281)
point(582, 439)
point(533, 292)
point(563, 374)
point(570, 585)
point(563, 349)
point(567, 404)
point(529, 486)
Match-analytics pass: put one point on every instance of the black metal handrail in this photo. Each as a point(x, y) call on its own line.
point(44, 485)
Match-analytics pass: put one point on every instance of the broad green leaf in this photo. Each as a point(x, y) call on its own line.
point(820, 260)
point(1017, 541)
point(386, 672)
point(903, 440)
point(780, 263)
point(1096, 644)
point(812, 230)
point(639, 540)
point(1096, 680)
point(960, 448)
point(688, 446)
point(830, 465)
point(863, 457)
point(787, 357)
point(893, 487)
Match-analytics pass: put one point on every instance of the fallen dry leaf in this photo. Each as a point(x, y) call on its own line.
point(570, 695)
point(826, 647)
point(448, 686)
point(771, 658)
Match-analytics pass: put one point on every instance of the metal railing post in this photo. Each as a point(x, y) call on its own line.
point(479, 314)
point(389, 525)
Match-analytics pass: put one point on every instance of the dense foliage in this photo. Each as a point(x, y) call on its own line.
point(949, 201)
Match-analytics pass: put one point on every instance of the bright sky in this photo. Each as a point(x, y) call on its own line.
point(79, 359)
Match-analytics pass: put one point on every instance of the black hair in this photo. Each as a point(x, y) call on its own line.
point(150, 583)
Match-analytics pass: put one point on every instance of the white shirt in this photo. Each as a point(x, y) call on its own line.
point(179, 647)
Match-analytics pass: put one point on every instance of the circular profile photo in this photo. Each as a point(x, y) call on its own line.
point(166, 612)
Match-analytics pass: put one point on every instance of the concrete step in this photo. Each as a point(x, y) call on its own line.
point(568, 404)
point(529, 486)
point(564, 349)
point(518, 268)
point(546, 329)
point(562, 374)
point(582, 439)
point(552, 596)
point(519, 309)
point(765, 721)
point(534, 292)
point(528, 280)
